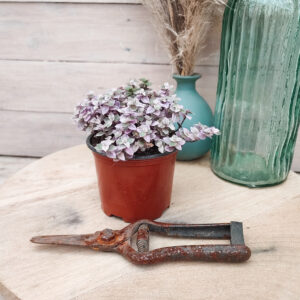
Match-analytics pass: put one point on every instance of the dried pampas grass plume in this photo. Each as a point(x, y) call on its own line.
point(183, 25)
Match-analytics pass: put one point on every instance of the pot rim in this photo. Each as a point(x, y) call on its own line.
point(143, 157)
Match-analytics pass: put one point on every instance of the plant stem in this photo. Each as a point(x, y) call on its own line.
point(180, 124)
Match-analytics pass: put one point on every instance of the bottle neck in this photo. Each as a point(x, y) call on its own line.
point(186, 82)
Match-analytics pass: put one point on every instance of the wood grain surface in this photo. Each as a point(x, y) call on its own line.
point(40, 134)
point(58, 87)
point(58, 194)
point(88, 33)
point(10, 165)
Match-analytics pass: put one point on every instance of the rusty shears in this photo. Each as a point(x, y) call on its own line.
point(121, 240)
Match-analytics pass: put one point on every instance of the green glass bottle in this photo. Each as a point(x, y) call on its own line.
point(258, 96)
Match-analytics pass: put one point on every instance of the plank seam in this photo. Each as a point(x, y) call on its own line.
point(94, 62)
point(18, 156)
point(74, 2)
point(36, 111)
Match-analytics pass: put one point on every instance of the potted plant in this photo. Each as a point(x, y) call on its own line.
point(183, 26)
point(135, 133)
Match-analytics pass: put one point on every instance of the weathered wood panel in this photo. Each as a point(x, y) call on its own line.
point(59, 195)
point(57, 87)
point(81, 32)
point(36, 134)
point(9, 166)
point(117, 41)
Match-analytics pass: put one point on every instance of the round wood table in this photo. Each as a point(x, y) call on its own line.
point(58, 195)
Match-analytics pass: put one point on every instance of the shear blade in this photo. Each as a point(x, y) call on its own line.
point(71, 240)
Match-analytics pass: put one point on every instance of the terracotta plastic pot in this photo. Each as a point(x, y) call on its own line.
point(135, 189)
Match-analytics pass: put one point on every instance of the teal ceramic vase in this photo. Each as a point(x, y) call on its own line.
point(201, 112)
point(258, 96)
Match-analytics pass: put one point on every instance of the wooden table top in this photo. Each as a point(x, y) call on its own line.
point(58, 195)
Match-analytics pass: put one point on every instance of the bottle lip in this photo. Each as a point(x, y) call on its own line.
point(194, 76)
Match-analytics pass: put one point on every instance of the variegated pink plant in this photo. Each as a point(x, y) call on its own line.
point(136, 120)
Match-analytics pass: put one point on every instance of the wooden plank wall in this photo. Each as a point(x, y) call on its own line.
point(52, 52)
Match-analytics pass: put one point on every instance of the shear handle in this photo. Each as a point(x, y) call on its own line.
point(209, 253)
point(201, 231)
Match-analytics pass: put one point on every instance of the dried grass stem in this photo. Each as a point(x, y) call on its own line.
point(183, 25)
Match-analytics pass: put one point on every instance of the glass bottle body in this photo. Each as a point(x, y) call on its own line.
point(258, 95)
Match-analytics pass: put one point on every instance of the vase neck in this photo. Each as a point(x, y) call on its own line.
point(186, 82)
